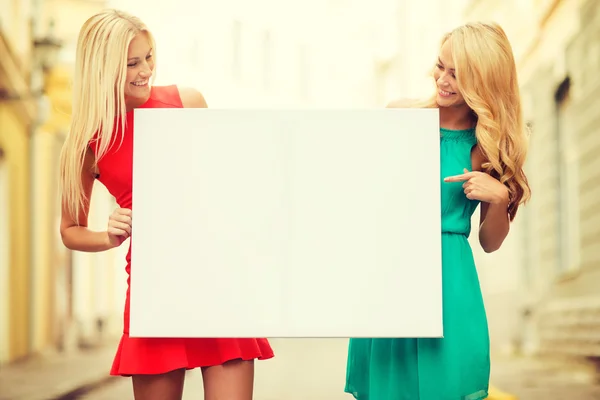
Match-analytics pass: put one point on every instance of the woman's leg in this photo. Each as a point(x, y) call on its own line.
point(233, 380)
point(168, 386)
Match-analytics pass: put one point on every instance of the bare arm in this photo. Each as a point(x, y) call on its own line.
point(77, 236)
point(494, 222)
point(493, 195)
point(494, 225)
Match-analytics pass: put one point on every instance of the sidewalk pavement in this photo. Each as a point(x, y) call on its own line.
point(523, 378)
point(57, 376)
point(72, 376)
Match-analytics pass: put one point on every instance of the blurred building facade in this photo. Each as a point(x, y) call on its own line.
point(18, 113)
point(261, 54)
point(51, 299)
point(548, 300)
point(354, 54)
point(408, 40)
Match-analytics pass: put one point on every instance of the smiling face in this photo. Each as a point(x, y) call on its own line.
point(140, 65)
point(448, 93)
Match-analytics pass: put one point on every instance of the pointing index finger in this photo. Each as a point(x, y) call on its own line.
point(459, 178)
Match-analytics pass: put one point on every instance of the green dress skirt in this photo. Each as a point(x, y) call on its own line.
point(457, 366)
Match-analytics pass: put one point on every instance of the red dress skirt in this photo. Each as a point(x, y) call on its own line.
point(158, 355)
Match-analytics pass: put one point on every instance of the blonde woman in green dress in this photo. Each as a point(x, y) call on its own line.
point(483, 145)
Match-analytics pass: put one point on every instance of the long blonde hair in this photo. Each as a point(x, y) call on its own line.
point(486, 75)
point(98, 96)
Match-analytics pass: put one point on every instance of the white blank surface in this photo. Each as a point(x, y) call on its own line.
point(286, 223)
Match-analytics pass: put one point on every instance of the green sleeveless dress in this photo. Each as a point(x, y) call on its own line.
point(456, 367)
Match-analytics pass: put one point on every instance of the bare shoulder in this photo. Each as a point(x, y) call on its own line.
point(192, 98)
point(401, 103)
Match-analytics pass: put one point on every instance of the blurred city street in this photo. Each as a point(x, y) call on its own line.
point(301, 374)
point(61, 311)
point(303, 369)
point(528, 379)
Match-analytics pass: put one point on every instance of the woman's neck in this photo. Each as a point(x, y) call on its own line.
point(457, 118)
point(132, 103)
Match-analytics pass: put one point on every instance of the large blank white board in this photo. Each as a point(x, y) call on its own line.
point(286, 223)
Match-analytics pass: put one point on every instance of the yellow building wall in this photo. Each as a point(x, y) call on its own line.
point(39, 290)
point(4, 260)
point(46, 264)
point(15, 144)
point(44, 229)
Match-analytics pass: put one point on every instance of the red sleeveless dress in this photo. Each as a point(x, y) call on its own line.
point(158, 355)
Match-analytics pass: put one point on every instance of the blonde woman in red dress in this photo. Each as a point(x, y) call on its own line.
point(114, 67)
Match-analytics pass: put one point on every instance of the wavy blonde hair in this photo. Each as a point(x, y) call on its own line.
point(98, 96)
point(486, 76)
